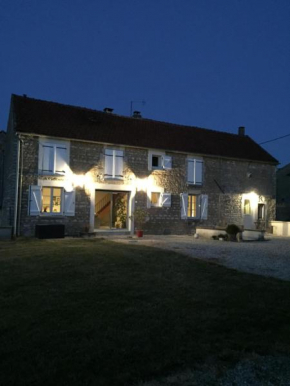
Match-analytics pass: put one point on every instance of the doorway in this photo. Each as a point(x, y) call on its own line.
point(111, 209)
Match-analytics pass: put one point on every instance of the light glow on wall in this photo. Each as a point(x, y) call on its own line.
point(253, 197)
point(80, 180)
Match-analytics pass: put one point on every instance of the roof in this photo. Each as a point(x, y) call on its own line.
point(58, 120)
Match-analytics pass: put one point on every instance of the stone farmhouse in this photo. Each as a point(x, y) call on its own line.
point(89, 170)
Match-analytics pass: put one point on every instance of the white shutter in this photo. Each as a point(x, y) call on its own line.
point(34, 204)
point(108, 163)
point(167, 162)
point(204, 206)
point(184, 204)
point(47, 158)
point(165, 199)
point(198, 172)
point(69, 203)
point(61, 160)
point(118, 160)
point(190, 171)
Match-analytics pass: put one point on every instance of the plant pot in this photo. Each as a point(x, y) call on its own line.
point(139, 233)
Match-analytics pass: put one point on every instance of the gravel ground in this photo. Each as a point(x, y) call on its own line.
point(268, 258)
point(254, 371)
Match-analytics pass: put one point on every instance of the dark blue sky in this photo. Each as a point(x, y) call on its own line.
point(217, 64)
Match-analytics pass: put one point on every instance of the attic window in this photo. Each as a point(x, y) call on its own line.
point(159, 160)
point(156, 162)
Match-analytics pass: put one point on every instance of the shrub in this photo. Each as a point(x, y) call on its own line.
point(232, 229)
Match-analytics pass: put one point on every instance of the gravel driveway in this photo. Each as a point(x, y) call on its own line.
point(267, 258)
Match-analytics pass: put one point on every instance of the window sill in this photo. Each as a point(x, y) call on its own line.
point(114, 178)
point(50, 174)
point(193, 184)
point(57, 215)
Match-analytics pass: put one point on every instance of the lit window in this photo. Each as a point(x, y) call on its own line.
point(191, 206)
point(155, 199)
point(51, 200)
point(247, 207)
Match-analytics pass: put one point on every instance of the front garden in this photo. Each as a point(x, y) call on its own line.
point(91, 312)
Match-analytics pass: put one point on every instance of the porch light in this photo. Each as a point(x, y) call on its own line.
point(141, 184)
point(253, 197)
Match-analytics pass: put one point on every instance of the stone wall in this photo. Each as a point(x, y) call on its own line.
point(224, 182)
point(2, 146)
point(9, 174)
point(283, 193)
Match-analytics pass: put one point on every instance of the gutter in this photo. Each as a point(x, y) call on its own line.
point(20, 187)
point(16, 186)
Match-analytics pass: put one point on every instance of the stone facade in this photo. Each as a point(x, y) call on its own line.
point(2, 145)
point(224, 182)
point(283, 193)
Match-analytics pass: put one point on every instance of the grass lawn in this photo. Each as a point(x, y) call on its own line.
point(92, 312)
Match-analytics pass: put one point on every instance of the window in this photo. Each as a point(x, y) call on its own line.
point(114, 164)
point(261, 211)
point(159, 161)
point(194, 171)
point(192, 206)
point(155, 198)
point(53, 157)
point(156, 162)
point(247, 206)
point(50, 200)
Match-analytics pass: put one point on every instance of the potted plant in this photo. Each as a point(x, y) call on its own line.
point(232, 231)
point(140, 217)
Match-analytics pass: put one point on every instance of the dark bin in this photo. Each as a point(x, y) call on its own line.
point(52, 231)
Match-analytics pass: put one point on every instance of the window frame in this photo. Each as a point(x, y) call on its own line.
point(197, 204)
point(164, 160)
point(159, 158)
point(51, 213)
point(194, 160)
point(113, 176)
point(35, 200)
point(54, 144)
point(158, 204)
point(247, 207)
point(263, 210)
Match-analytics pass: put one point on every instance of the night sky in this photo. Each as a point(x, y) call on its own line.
point(216, 64)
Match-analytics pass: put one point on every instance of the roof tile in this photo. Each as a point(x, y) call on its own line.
point(59, 120)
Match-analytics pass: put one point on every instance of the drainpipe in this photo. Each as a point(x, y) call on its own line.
point(20, 186)
point(16, 186)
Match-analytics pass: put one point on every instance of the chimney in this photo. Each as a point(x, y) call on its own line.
point(241, 131)
point(137, 114)
point(108, 110)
